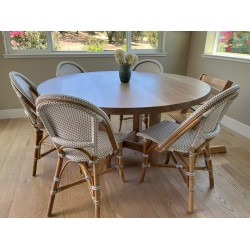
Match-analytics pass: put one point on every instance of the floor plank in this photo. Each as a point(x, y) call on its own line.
point(4, 209)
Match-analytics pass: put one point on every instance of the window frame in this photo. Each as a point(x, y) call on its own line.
point(15, 53)
point(210, 50)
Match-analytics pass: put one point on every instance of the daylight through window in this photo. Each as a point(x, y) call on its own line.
point(29, 42)
point(233, 42)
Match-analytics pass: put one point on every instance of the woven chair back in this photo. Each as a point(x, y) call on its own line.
point(67, 67)
point(217, 85)
point(205, 119)
point(71, 121)
point(148, 65)
point(26, 92)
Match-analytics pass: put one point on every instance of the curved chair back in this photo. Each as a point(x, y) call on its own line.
point(27, 94)
point(217, 85)
point(73, 126)
point(68, 67)
point(205, 119)
point(73, 122)
point(148, 65)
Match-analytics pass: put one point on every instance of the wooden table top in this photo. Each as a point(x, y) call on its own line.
point(146, 93)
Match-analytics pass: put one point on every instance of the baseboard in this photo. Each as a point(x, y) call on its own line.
point(11, 113)
point(236, 126)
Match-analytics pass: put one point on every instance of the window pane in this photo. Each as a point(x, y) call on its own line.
point(144, 39)
point(88, 41)
point(25, 40)
point(233, 42)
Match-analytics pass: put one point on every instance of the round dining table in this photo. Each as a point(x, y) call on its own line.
point(146, 93)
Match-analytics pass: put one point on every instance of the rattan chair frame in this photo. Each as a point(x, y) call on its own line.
point(60, 71)
point(217, 85)
point(92, 178)
point(134, 67)
point(30, 111)
point(195, 121)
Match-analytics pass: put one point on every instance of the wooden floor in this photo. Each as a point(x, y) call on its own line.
point(163, 194)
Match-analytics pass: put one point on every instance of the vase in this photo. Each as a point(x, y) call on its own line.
point(125, 73)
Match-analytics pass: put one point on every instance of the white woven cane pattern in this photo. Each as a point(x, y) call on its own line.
point(22, 87)
point(161, 131)
point(67, 67)
point(100, 114)
point(73, 122)
point(70, 122)
point(208, 127)
point(210, 104)
point(104, 148)
point(27, 110)
point(148, 66)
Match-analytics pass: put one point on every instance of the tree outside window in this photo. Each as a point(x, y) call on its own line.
point(83, 41)
point(233, 42)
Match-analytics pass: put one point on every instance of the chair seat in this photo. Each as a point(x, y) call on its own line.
point(104, 148)
point(161, 131)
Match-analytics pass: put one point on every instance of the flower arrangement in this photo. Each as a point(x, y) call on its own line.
point(125, 58)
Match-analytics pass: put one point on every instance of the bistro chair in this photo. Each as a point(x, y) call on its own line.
point(27, 93)
point(147, 65)
point(68, 67)
point(217, 86)
point(73, 125)
point(191, 137)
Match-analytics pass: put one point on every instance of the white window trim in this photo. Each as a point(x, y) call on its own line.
point(210, 49)
point(10, 53)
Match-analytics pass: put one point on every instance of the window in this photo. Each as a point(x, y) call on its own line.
point(232, 42)
point(228, 45)
point(82, 42)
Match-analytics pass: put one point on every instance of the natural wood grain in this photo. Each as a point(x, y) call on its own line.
point(4, 209)
point(162, 195)
point(12, 156)
point(146, 93)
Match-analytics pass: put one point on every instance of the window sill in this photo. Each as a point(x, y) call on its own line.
point(234, 58)
point(77, 54)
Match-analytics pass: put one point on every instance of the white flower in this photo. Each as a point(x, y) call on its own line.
point(129, 58)
point(122, 58)
point(119, 56)
point(135, 59)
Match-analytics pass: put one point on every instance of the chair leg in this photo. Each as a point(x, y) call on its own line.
point(96, 189)
point(146, 120)
point(120, 125)
point(191, 182)
point(55, 185)
point(209, 165)
point(168, 157)
point(120, 162)
point(39, 137)
point(145, 162)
